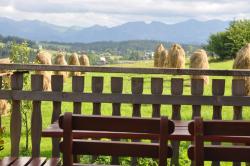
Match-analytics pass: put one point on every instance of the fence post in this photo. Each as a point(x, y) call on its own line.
point(137, 88)
point(57, 86)
point(36, 117)
point(218, 89)
point(197, 88)
point(77, 86)
point(16, 117)
point(156, 89)
point(97, 87)
point(238, 89)
point(176, 90)
point(116, 88)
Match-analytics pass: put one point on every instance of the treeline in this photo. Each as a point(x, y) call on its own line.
point(116, 48)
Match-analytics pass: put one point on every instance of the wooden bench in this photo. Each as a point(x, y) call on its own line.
point(119, 127)
point(219, 131)
point(29, 161)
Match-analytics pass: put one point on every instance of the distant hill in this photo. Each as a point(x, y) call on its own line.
point(190, 31)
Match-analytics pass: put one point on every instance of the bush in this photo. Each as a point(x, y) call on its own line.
point(226, 44)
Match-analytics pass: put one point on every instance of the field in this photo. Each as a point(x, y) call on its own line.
point(127, 109)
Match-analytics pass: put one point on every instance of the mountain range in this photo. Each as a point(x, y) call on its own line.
point(189, 32)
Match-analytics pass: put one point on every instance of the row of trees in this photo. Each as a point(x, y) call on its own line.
point(226, 44)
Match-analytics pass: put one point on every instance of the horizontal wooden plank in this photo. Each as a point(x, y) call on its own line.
point(33, 67)
point(122, 124)
point(92, 147)
point(21, 161)
point(180, 133)
point(37, 161)
point(7, 160)
point(224, 128)
point(217, 153)
point(53, 162)
point(126, 98)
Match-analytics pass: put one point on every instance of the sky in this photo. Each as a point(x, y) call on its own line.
point(85, 13)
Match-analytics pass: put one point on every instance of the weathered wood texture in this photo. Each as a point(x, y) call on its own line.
point(238, 89)
point(36, 117)
point(78, 87)
point(32, 67)
point(218, 89)
point(16, 117)
point(222, 131)
point(156, 89)
point(57, 86)
point(97, 88)
point(116, 88)
point(176, 90)
point(197, 88)
point(161, 126)
point(137, 89)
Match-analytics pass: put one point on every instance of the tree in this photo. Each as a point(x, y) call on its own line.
point(226, 44)
point(20, 53)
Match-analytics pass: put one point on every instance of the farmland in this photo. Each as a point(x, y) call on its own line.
point(126, 109)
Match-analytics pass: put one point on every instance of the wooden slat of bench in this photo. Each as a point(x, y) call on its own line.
point(53, 162)
point(21, 161)
point(37, 161)
point(7, 160)
point(180, 133)
point(134, 149)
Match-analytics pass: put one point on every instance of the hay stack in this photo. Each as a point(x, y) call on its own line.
point(157, 54)
point(242, 61)
point(199, 60)
point(162, 61)
point(73, 60)
point(4, 107)
point(60, 60)
point(176, 57)
point(84, 61)
point(44, 57)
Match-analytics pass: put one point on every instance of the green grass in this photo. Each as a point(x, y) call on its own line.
point(126, 109)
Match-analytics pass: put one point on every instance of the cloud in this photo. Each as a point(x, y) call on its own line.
point(114, 12)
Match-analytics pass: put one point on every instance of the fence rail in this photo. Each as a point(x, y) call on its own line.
point(136, 98)
point(211, 72)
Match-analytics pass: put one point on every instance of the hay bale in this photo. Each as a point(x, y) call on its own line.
point(199, 60)
point(4, 107)
point(176, 57)
point(162, 61)
point(44, 57)
point(242, 61)
point(157, 54)
point(60, 60)
point(84, 60)
point(74, 60)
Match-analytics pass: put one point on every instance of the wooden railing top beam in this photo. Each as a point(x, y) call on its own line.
point(33, 67)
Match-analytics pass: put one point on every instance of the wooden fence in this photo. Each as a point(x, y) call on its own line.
point(117, 97)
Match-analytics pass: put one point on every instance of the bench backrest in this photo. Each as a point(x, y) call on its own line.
point(157, 128)
point(219, 131)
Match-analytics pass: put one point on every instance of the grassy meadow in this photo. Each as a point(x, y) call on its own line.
point(126, 109)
